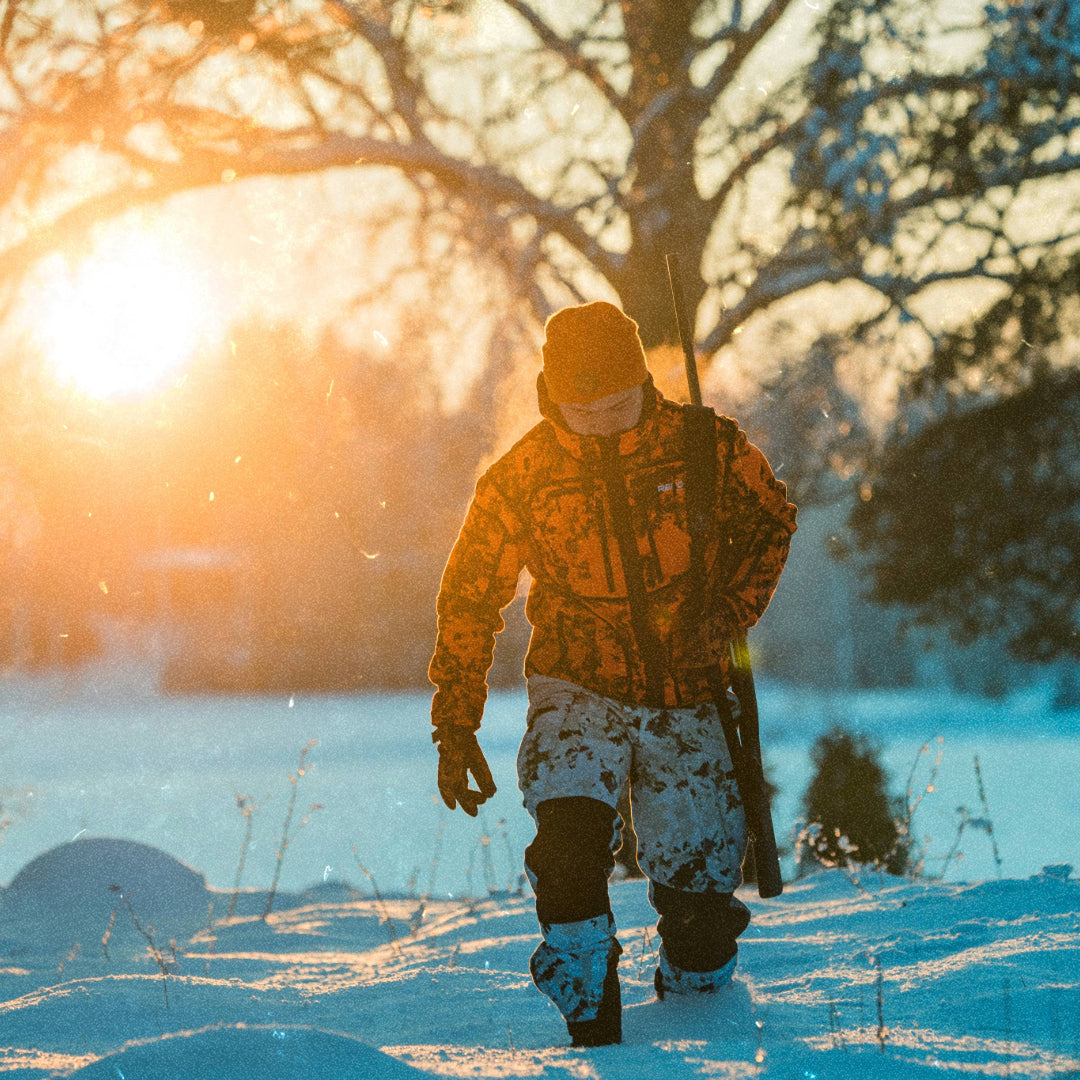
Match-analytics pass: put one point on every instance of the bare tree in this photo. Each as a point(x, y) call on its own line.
point(567, 138)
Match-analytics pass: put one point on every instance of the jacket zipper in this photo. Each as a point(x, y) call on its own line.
point(647, 645)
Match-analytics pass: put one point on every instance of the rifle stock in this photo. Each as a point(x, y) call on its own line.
point(741, 735)
point(756, 802)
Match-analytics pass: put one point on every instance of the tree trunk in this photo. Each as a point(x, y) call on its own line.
point(644, 290)
point(667, 213)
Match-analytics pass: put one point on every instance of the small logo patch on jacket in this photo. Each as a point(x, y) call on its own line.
point(676, 485)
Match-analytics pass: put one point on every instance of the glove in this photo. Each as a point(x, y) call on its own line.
point(459, 755)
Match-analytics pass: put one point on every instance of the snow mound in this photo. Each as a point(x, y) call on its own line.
point(98, 891)
point(728, 1016)
point(241, 1052)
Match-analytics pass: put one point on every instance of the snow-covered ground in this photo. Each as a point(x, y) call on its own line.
point(881, 977)
point(106, 757)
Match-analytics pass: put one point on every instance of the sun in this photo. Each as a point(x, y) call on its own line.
point(127, 318)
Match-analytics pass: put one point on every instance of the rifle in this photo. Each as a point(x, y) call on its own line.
point(740, 734)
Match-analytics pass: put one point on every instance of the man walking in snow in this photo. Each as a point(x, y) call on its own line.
point(592, 501)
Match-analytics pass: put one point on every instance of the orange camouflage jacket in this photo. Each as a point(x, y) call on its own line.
point(546, 506)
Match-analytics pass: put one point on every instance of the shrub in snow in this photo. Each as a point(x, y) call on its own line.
point(851, 818)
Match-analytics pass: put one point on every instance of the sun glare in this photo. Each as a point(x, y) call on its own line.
point(124, 320)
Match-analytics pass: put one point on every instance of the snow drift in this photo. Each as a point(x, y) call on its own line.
point(839, 977)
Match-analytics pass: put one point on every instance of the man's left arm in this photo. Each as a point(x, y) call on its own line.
point(750, 538)
point(755, 522)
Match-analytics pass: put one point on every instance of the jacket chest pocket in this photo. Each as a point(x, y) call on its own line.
point(574, 541)
point(661, 501)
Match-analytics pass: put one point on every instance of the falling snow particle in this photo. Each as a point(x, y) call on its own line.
point(380, 338)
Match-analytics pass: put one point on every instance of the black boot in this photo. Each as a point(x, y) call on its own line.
point(698, 930)
point(606, 1028)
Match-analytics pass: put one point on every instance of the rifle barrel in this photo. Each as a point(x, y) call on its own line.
point(742, 738)
point(684, 327)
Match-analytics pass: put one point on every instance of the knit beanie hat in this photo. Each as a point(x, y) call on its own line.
point(591, 351)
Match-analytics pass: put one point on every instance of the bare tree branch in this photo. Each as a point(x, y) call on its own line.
point(205, 168)
point(743, 42)
point(570, 52)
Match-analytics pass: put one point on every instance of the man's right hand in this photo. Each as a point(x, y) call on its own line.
point(460, 755)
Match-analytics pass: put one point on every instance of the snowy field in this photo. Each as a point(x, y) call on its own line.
point(879, 977)
point(105, 757)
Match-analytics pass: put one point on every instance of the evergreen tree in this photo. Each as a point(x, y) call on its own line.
point(973, 522)
point(851, 816)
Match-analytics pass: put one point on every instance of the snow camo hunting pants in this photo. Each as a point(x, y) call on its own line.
point(686, 811)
